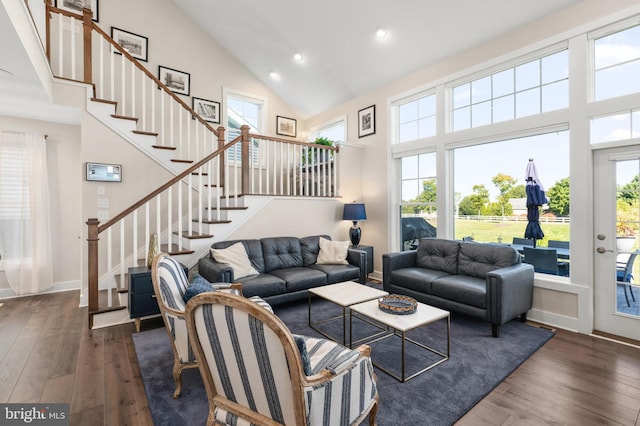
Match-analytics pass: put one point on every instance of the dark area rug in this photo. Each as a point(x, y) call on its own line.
point(440, 396)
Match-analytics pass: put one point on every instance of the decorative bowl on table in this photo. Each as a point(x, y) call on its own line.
point(397, 304)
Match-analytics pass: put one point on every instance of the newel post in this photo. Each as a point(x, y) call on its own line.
point(221, 141)
point(92, 273)
point(245, 158)
point(87, 24)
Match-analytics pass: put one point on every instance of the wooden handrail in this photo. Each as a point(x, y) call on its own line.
point(168, 184)
point(307, 144)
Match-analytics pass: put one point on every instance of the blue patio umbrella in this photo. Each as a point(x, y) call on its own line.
point(535, 199)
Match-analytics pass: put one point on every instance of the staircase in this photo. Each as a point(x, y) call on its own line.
point(208, 198)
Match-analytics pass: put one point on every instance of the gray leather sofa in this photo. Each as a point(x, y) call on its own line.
point(287, 268)
point(486, 281)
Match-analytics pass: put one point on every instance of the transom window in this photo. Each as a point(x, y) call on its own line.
point(416, 118)
point(617, 64)
point(616, 127)
point(531, 88)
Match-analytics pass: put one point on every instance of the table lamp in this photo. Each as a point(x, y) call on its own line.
point(354, 212)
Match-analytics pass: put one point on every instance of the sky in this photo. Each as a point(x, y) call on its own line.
point(550, 153)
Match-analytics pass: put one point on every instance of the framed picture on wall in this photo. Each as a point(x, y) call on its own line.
point(367, 121)
point(178, 81)
point(76, 6)
point(286, 126)
point(135, 44)
point(208, 110)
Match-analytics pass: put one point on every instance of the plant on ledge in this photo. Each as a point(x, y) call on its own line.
point(309, 157)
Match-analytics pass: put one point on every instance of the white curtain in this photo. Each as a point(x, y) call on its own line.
point(25, 231)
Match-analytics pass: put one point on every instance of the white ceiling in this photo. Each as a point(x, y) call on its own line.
point(342, 57)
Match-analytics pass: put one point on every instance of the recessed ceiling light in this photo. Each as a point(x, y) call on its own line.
point(381, 33)
point(298, 56)
point(274, 75)
point(5, 73)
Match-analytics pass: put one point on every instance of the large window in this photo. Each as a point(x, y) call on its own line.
point(531, 88)
point(617, 64)
point(418, 207)
point(491, 196)
point(416, 117)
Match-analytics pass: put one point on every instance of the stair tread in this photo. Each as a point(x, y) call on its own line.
point(174, 250)
point(142, 132)
point(104, 101)
point(212, 222)
point(175, 160)
point(124, 117)
point(227, 208)
point(173, 148)
point(194, 235)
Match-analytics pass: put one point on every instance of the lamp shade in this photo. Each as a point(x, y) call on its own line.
point(354, 212)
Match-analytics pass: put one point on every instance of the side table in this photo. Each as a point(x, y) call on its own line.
point(369, 257)
point(142, 298)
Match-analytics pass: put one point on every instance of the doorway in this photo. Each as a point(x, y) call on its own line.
point(617, 241)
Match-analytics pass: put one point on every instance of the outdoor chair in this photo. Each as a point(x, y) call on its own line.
point(256, 372)
point(169, 285)
point(624, 275)
point(558, 244)
point(522, 241)
point(544, 260)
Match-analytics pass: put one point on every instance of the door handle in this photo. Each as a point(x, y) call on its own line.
point(603, 250)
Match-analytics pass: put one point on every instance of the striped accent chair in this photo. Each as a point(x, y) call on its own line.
point(169, 285)
point(253, 369)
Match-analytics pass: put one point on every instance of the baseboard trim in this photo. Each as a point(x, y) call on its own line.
point(8, 293)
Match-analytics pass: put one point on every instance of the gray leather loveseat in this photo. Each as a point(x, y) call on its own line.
point(286, 268)
point(486, 281)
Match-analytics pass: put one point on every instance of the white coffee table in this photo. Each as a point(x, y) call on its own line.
point(343, 294)
point(399, 325)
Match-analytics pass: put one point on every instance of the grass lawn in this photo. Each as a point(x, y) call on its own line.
point(491, 231)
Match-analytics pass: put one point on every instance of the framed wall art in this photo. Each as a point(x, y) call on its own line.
point(208, 110)
point(135, 44)
point(178, 81)
point(367, 121)
point(76, 6)
point(286, 126)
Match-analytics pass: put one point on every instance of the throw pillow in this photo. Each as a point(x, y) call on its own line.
point(333, 252)
point(197, 285)
point(304, 355)
point(236, 257)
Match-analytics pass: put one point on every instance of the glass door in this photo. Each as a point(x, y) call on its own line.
point(617, 254)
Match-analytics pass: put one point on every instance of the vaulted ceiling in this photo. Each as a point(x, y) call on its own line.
point(342, 57)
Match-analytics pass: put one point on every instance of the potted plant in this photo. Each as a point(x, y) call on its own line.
point(323, 154)
point(625, 236)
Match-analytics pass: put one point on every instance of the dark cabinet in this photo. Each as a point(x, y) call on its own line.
point(142, 299)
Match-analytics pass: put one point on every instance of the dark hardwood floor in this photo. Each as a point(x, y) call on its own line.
point(48, 355)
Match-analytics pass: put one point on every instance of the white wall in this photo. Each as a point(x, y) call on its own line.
point(176, 42)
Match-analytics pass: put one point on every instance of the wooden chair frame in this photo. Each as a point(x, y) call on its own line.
point(298, 378)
